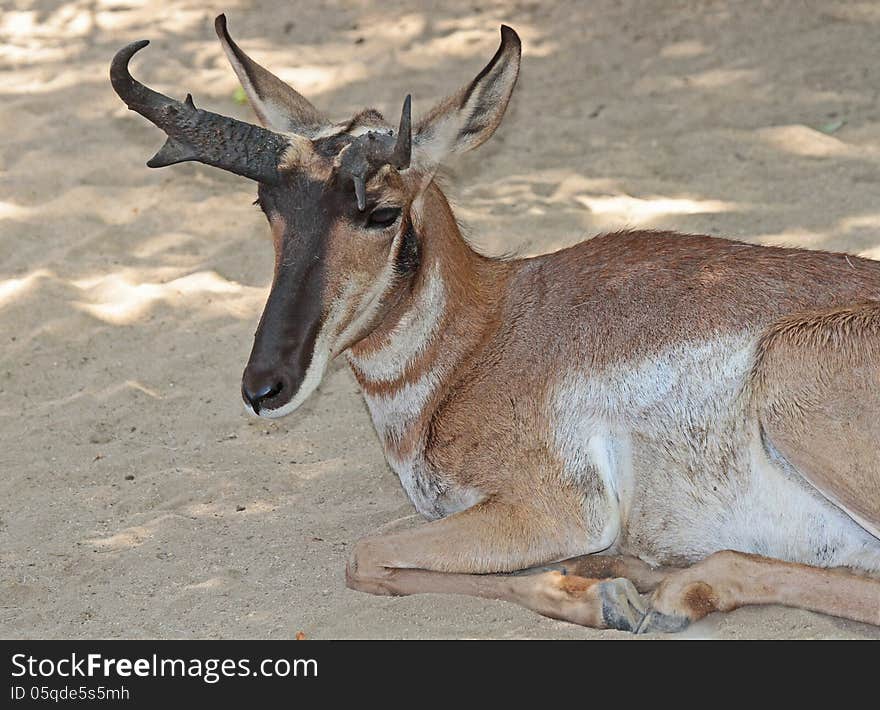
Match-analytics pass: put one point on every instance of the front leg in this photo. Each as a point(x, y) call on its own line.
point(644, 577)
point(457, 555)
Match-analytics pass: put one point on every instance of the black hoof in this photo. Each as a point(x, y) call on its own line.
point(622, 605)
point(657, 623)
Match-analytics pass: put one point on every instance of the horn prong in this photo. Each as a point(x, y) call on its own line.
point(360, 191)
point(171, 153)
point(402, 154)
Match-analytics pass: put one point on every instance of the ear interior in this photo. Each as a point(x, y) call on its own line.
point(468, 118)
point(277, 105)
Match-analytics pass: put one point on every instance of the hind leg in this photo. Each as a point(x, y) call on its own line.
point(728, 580)
point(815, 390)
point(816, 393)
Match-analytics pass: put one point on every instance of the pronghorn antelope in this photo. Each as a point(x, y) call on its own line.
point(654, 426)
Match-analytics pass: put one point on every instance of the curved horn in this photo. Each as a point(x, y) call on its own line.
point(194, 134)
point(402, 153)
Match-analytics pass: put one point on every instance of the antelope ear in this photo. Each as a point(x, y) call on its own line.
point(278, 106)
point(468, 118)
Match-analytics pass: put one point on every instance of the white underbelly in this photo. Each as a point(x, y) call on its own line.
point(747, 502)
point(690, 472)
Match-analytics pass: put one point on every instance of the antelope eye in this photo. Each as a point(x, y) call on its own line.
point(383, 217)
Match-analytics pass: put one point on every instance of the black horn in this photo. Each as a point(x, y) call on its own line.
point(194, 134)
point(400, 158)
point(372, 150)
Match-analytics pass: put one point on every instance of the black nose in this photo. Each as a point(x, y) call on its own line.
point(258, 390)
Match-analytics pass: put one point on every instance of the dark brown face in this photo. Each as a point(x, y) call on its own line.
point(335, 266)
point(285, 338)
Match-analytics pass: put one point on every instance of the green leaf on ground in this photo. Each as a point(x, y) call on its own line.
point(832, 126)
point(239, 96)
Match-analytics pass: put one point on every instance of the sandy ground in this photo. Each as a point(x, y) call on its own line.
point(137, 499)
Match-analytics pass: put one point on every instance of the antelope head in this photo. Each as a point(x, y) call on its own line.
point(339, 198)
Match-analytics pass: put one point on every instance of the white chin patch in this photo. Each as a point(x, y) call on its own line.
point(314, 375)
point(321, 356)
